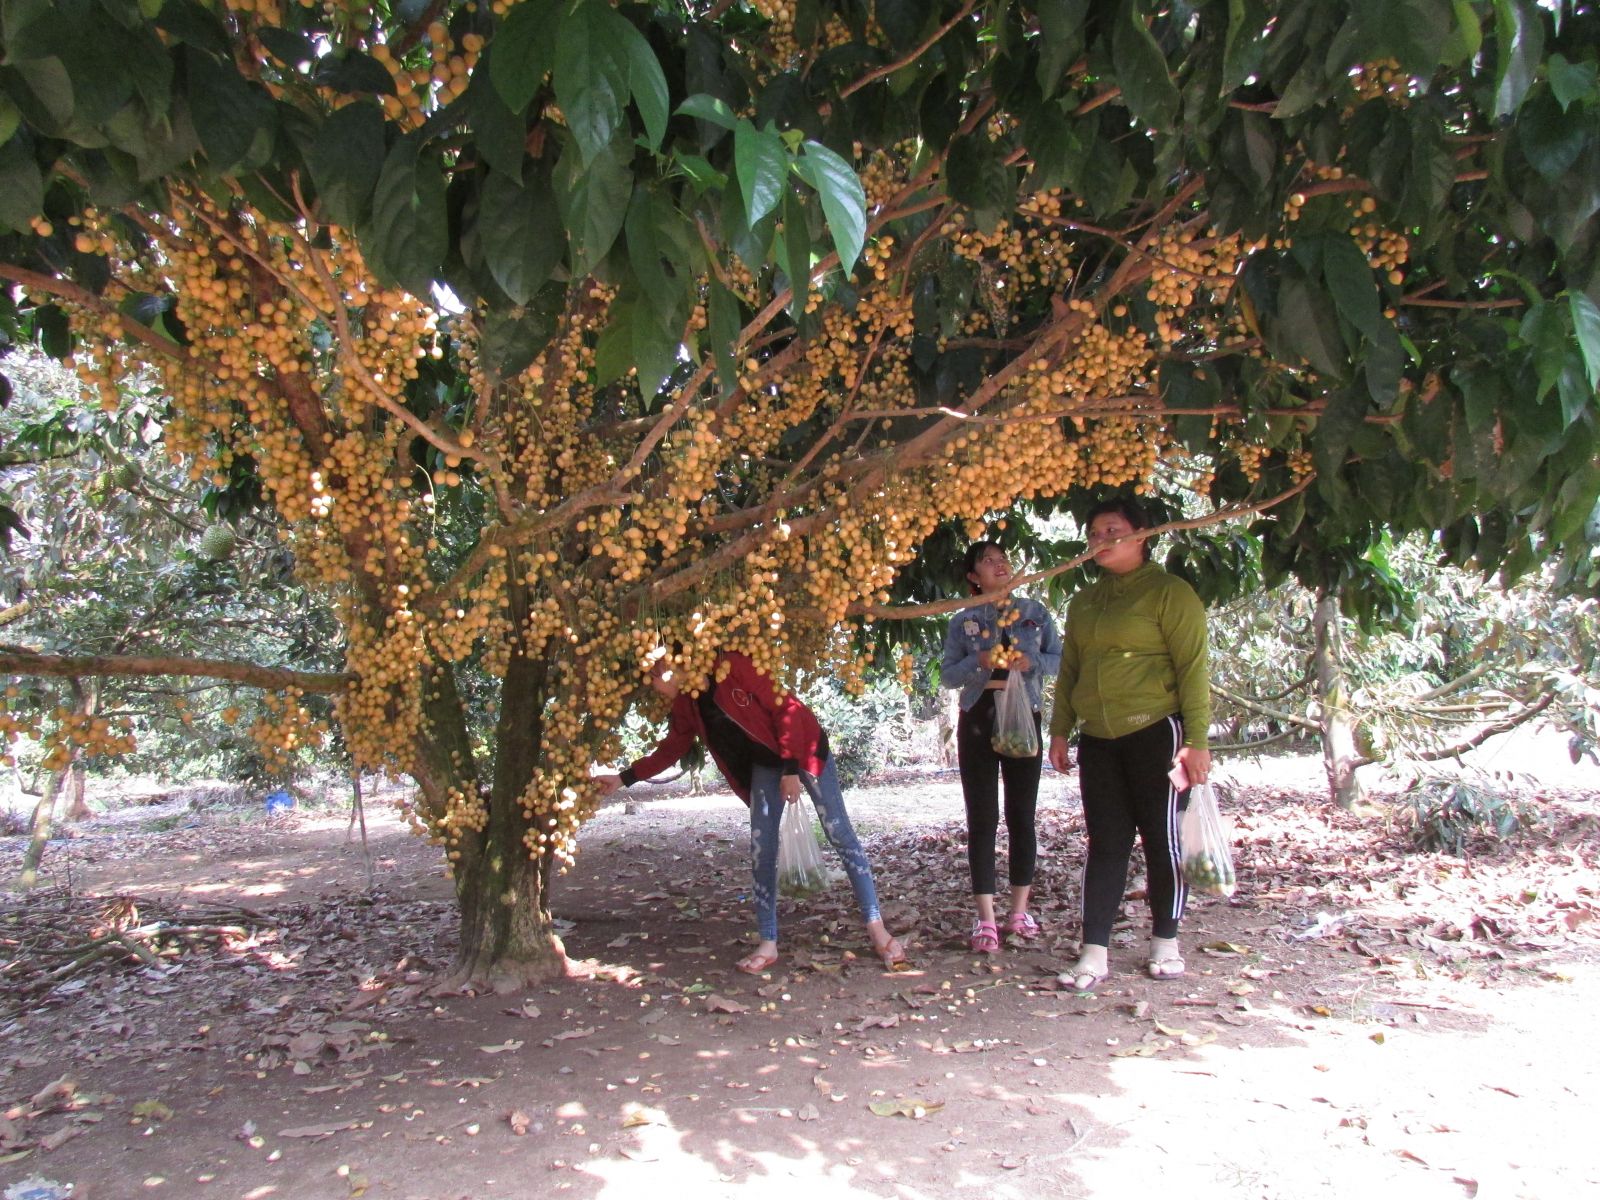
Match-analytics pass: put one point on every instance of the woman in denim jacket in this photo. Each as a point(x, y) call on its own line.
point(1024, 629)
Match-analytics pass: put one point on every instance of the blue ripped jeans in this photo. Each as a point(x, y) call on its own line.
point(766, 818)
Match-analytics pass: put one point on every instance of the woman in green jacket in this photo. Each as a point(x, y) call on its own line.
point(1133, 680)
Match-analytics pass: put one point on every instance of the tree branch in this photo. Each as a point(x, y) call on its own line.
point(1489, 731)
point(74, 294)
point(1266, 711)
point(915, 53)
point(941, 607)
point(17, 660)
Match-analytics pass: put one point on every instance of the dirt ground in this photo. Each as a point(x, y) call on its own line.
point(1357, 1020)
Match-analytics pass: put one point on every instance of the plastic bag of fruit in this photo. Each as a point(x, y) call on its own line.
point(800, 868)
point(1207, 860)
point(1016, 734)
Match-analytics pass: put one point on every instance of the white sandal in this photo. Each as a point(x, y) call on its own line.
point(1165, 968)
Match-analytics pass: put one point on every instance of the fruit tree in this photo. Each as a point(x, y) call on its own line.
point(558, 331)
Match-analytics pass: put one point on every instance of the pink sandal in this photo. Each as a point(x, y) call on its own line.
point(756, 964)
point(985, 938)
point(1022, 925)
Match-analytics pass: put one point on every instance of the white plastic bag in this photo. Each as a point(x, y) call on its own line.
point(800, 866)
point(1207, 860)
point(1015, 735)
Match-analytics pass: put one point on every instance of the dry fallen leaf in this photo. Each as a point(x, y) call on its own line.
point(152, 1110)
point(718, 1003)
point(509, 1044)
point(316, 1131)
point(634, 1115)
point(905, 1108)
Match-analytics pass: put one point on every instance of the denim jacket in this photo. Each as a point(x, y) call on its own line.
point(976, 629)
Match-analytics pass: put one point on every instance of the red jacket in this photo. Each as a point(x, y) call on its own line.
point(783, 725)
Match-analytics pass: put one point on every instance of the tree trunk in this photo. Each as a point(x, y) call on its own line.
point(1339, 751)
point(40, 830)
point(77, 810)
point(507, 937)
point(77, 803)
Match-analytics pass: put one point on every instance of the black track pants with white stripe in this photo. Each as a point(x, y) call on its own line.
point(1126, 791)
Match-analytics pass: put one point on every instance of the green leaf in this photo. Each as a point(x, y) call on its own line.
point(21, 186)
point(1244, 47)
point(1550, 139)
point(1586, 322)
point(1546, 332)
point(1466, 36)
point(1570, 82)
point(520, 55)
point(705, 107)
point(501, 134)
point(613, 351)
point(593, 200)
point(1349, 277)
point(722, 327)
point(346, 160)
point(511, 340)
point(646, 81)
point(1519, 32)
point(660, 247)
point(1141, 68)
point(1060, 40)
point(762, 163)
point(591, 75)
point(290, 48)
point(408, 235)
point(1303, 325)
point(233, 117)
point(657, 334)
point(351, 71)
point(1481, 396)
point(1410, 31)
point(795, 253)
point(520, 230)
point(44, 94)
point(10, 118)
point(700, 173)
point(28, 29)
point(1343, 417)
point(193, 25)
point(844, 201)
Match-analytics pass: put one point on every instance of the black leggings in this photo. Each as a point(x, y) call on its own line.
point(1126, 790)
point(981, 771)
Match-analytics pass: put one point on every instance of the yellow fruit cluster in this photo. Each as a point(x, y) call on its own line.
point(284, 729)
point(432, 83)
point(1384, 79)
point(77, 734)
point(26, 722)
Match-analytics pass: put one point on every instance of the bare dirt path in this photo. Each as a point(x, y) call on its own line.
point(1357, 1019)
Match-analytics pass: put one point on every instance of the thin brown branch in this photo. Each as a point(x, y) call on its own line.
point(1509, 302)
point(1266, 710)
point(910, 57)
point(74, 294)
point(940, 608)
point(1488, 731)
point(18, 660)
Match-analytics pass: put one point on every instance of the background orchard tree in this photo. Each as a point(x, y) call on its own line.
point(113, 558)
point(555, 331)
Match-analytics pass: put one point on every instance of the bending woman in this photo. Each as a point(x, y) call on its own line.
point(982, 646)
point(1133, 676)
point(768, 747)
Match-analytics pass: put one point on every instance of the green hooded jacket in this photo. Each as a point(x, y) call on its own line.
point(1134, 652)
